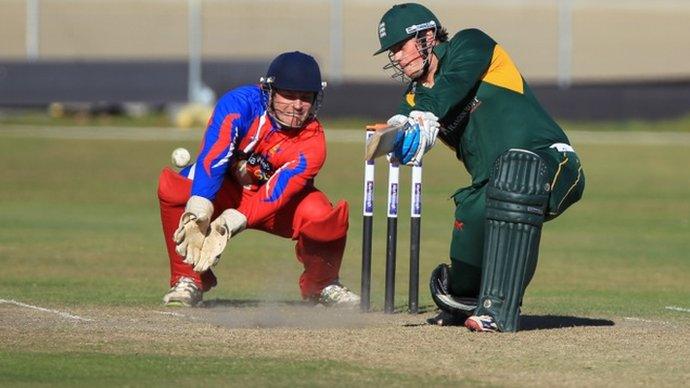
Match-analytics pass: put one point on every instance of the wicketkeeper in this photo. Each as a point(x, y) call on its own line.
point(524, 170)
point(262, 149)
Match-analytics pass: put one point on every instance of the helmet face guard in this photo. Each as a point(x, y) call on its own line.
point(401, 23)
point(293, 71)
point(424, 47)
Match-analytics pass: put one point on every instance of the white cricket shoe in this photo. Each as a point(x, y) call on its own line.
point(481, 323)
point(337, 295)
point(185, 293)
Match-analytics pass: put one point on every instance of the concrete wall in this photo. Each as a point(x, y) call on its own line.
point(612, 40)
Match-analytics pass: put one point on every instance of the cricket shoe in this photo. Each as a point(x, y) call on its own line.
point(481, 323)
point(185, 293)
point(337, 295)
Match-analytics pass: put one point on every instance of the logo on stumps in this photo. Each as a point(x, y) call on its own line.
point(369, 199)
point(417, 204)
point(393, 207)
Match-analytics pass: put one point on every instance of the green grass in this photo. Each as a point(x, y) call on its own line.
point(83, 119)
point(90, 369)
point(79, 226)
point(162, 119)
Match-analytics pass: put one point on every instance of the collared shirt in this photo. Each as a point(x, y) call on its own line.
point(241, 126)
point(484, 105)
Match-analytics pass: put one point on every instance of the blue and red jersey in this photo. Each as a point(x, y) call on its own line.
point(241, 126)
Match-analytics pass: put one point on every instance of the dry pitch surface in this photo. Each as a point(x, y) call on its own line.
point(551, 351)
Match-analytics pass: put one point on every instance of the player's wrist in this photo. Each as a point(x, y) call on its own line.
point(199, 208)
point(234, 221)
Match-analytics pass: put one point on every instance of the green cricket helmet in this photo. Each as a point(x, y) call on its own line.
point(402, 22)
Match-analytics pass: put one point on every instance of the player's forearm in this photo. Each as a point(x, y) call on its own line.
point(207, 186)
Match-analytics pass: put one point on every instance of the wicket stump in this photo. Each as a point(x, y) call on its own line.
point(391, 240)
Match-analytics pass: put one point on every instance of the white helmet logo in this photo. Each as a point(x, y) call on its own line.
point(418, 27)
point(382, 29)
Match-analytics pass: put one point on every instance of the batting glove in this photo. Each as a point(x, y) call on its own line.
point(189, 236)
point(417, 138)
point(228, 224)
point(428, 127)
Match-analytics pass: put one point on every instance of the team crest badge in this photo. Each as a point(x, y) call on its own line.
point(382, 30)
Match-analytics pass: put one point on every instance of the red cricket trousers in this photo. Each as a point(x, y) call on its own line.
point(309, 218)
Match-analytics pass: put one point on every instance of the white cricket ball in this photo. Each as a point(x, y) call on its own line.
point(180, 157)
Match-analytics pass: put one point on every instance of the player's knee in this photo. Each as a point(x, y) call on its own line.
point(327, 226)
point(315, 210)
point(518, 188)
point(173, 189)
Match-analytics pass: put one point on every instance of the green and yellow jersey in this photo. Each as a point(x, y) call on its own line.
point(484, 105)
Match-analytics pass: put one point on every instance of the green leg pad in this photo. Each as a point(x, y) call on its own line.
point(516, 199)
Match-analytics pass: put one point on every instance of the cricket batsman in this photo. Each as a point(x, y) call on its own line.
point(468, 92)
point(260, 154)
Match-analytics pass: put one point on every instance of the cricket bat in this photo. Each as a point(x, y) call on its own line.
point(382, 141)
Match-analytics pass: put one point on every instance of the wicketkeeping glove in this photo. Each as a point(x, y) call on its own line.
point(228, 224)
point(189, 236)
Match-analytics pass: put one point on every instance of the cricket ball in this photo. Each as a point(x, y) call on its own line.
point(180, 157)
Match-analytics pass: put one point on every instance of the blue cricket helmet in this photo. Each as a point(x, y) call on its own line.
point(295, 71)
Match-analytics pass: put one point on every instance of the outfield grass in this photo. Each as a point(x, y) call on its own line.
point(163, 119)
point(91, 369)
point(79, 228)
point(76, 206)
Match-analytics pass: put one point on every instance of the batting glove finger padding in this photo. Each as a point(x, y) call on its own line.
point(397, 120)
point(228, 224)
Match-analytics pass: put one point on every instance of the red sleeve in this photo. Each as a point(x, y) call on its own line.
point(300, 163)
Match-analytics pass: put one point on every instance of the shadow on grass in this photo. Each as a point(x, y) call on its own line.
point(527, 322)
point(543, 322)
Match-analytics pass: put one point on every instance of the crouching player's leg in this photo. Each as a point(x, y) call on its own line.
point(321, 232)
point(187, 286)
point(523, 191)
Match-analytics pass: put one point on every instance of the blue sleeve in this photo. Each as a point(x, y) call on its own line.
point(230, 121)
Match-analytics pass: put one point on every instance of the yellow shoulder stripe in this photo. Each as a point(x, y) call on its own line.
point(410, 98)
point(503, 72)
